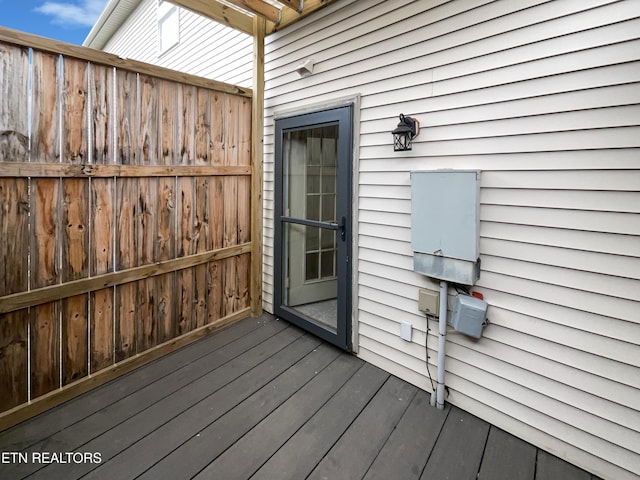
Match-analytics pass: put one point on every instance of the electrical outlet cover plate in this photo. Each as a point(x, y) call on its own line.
point(405, 331)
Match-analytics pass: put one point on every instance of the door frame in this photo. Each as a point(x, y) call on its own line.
point(343, 115)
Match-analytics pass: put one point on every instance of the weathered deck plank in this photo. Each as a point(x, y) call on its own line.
point(507, 458)
point(304, 450)
point(458, 452)
point(374, 424)
point(262, 400)
point(550, 468)
point(406, 452)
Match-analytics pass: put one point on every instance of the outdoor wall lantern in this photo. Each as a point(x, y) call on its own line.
point(407, 130)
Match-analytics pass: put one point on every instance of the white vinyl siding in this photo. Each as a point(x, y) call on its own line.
point(544, 98)
point(206, 48)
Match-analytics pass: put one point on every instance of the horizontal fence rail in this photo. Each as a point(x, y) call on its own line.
point(125, 214)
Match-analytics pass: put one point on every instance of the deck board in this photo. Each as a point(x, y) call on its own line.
point(406, 452)
point(458, 452)
point(261, 399)
point(550, 468)
point(507, 458)
point(251, 451)
point(375, 424)
point(307, 447)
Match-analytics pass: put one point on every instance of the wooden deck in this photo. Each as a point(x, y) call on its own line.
point(263, 400)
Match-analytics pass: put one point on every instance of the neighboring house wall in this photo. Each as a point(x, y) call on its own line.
point(544, 98)
point(206, 48)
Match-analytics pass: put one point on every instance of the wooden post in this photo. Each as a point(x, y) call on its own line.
point(257, 133)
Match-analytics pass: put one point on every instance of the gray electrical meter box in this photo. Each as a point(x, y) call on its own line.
point(445, 224)
point(469, 315)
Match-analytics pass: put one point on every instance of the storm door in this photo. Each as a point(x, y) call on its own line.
point(312, 223)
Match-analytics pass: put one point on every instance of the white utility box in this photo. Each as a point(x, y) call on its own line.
point(445, 224)
point(469, 315)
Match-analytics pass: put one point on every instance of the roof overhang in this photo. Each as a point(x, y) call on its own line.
point(237, 14)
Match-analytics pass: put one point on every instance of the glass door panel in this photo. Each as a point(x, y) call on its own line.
point(310, 176)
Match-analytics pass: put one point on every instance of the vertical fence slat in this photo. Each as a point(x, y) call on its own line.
point(74, 110)
point(75, 266)
point(101, 302)
point(102, 218)
point(45, 318)
point(13, 359)
point(230, 236)
point(184, 209)
point(126, 204)
point(14, 211)
point(201, 215)
point(170, 134)
point(14, 81)
point(244, 202)
point(149, 151)
point(75, 219)
point(45, 237)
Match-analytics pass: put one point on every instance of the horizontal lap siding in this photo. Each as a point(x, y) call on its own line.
point(207, 48)
point(544, 98)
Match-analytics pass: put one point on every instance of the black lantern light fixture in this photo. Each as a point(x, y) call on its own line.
point(407, 130)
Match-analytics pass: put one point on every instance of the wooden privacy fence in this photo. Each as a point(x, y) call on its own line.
point(124, 213)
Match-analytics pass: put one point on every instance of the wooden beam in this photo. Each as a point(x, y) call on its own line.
point(67, 170)
point(290, 16)
point(220, 13)
point(260, 8)
point(97, 56)
point(38, 296)
point(46, 402)
point(257, 153)
point(293, 4)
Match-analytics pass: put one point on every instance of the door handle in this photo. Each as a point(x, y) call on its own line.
point(343, 228)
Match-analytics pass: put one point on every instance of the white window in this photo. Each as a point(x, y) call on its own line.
point(168, 26)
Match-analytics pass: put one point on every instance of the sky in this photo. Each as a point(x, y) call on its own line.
point(66, 20)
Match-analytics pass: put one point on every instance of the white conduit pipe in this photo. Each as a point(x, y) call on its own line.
point(442, 340)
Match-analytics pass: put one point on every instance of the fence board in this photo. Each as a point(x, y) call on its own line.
point(74, 106)
point(45, 197)
point(14, 203)
point(185, 279)
point(45, 126)
point(126, 311)
point(200, 237)
point(101, 86)
point(14, 211)
point(45, 318)
point(244, 202)
point(45, 348)
point(74, 338)
point(13, 361)
point(74, 266)
point(129, 199)
point(14, 81)
point(230, 236)
point(165, 250)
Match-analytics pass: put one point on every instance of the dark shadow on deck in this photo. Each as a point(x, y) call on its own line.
point(263, 400)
